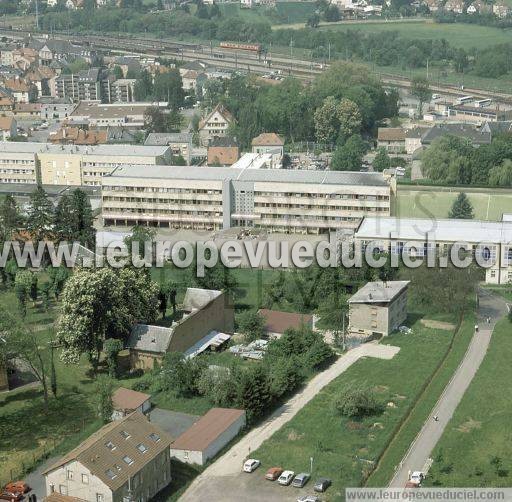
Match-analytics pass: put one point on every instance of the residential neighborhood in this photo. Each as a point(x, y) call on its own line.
point(255, 250)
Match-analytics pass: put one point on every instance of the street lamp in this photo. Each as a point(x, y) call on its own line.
point(311, 465)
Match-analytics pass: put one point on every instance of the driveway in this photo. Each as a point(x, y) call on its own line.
point(223, 480)
point(36, 479)
point(172, 422)
point(419, 452)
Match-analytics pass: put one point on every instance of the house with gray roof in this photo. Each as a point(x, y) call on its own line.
point(377, 309)
point(202, 312)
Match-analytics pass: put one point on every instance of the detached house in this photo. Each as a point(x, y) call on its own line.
point(392, 139)
point(479, 7)
point(456, 6)
point(21, 90)
point(128, 459)
point(215, 124)
point(501, 9)
point(8, 128)
point(268, 142)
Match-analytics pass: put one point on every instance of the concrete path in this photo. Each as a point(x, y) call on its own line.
point(419, 452)
point(230, 464)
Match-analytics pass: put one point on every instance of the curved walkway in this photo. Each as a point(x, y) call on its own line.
point(229, 465)
point(419, 453)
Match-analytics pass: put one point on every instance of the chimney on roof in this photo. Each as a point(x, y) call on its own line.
point(369, 296)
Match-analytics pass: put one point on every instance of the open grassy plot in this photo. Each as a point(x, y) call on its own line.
point(346, 449)
point(284, 12)
point(411, 427)
point(488, 205)
point(458, 34)
point(480, 428)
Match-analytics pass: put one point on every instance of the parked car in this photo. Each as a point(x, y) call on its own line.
point(300, 480)
point(322, 484)
point(286, 478)
point(273, 473)
point(308, 498)
point(17, 486)
point(251, 465)
point(417, 477)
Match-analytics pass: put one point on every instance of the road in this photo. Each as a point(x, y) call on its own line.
point(422, 447)
point(224, 479)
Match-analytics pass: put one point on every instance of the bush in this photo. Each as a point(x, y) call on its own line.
point(360, 401)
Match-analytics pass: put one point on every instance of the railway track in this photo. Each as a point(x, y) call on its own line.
point(237, 60)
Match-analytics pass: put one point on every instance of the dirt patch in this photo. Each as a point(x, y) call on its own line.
point(399, 396)
point(430, 323)
point(381, 388)
point(378, 425)
point(469, 425)
point(294, 436)
point(354, 426)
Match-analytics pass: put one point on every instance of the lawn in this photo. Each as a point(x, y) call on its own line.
point(488, 205)
point(346, 450)
point(284, 12)
point(411, 427)
point(457, 34)
point(480, 427)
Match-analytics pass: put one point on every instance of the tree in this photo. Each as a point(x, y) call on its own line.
point(349, 117)
point(501, 175)
point(155, 120)
point(18, 341)
point(349, 157)
point(219, 384)
point(118, 72)
point(111, 348)
point(22, 288)
point(252, 325)
point(40, 215)
point(313, 21)
point(326, 121)
point(53, 373)
point(462, 209)
point(57, 278)
point(162, 299)
point(101, 302)
point(140, 239)
point(420, 89)
point(333, 311)
point(381, 161)
point(143, 89)
point(82, 221)
point(104, 403)
point(9, 217)
point(169, 87)
point(358, 401)
point(332, 14)
point(253, 391)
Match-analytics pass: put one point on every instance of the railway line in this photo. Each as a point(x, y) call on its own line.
point(258, 63)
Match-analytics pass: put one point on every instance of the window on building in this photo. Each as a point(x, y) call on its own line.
point(85, 479)
point(111, 474)
point(142, 448)
point(128, 460)
point(110, 445)
point(69, 475)
point(155, 437)
point(63, 489)
point(99, 497)
point(125, 434)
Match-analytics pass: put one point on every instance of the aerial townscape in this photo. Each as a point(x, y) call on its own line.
point(255, 250)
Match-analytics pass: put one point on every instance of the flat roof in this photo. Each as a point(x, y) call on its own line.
point(379, 292)
point(441, 229)
point(207, 429)
point(117, 149)
point(255, 175)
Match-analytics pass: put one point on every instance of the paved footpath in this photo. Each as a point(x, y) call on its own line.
point(422, 447)
point(229, 465)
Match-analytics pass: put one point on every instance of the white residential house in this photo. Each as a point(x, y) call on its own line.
point(215, 124)
point(501, 9)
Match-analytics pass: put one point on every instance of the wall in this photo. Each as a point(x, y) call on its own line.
point(366, 319)
point(224, 439)
point(217, 315)
point(60, 169)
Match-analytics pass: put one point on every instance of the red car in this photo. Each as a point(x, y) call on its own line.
point(273, 473)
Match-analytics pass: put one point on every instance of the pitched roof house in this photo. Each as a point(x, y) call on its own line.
point(501, 9)
point(277, 322)
point(126, 401)
point(204, 311)
point(8, 128)
point(215, 124)
point(126, 458)
point(268, 142)
point(456, 6)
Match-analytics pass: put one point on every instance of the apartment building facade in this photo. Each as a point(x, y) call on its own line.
point(88, 85)
point(489, 240)
point(128, 459)
point(284, 201)
point(71, 165)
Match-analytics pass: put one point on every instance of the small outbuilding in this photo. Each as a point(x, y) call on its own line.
point(126, 401)
point(277, 322)
point(210, 434)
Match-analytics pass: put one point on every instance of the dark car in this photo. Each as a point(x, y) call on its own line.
point(322, 484)
point(300, 480)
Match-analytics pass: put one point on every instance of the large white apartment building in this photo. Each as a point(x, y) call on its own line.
point(49, 164)
point(215, 198)
point(492, 240)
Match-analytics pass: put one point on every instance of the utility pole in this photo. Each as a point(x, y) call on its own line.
point(329, 51)
point(427, 68)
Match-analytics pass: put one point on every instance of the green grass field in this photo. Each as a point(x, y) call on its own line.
point(480, 427)
point(435, 203)
point(457, 34)
point(411, 427)
point(345, 449)
point(284, 12)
